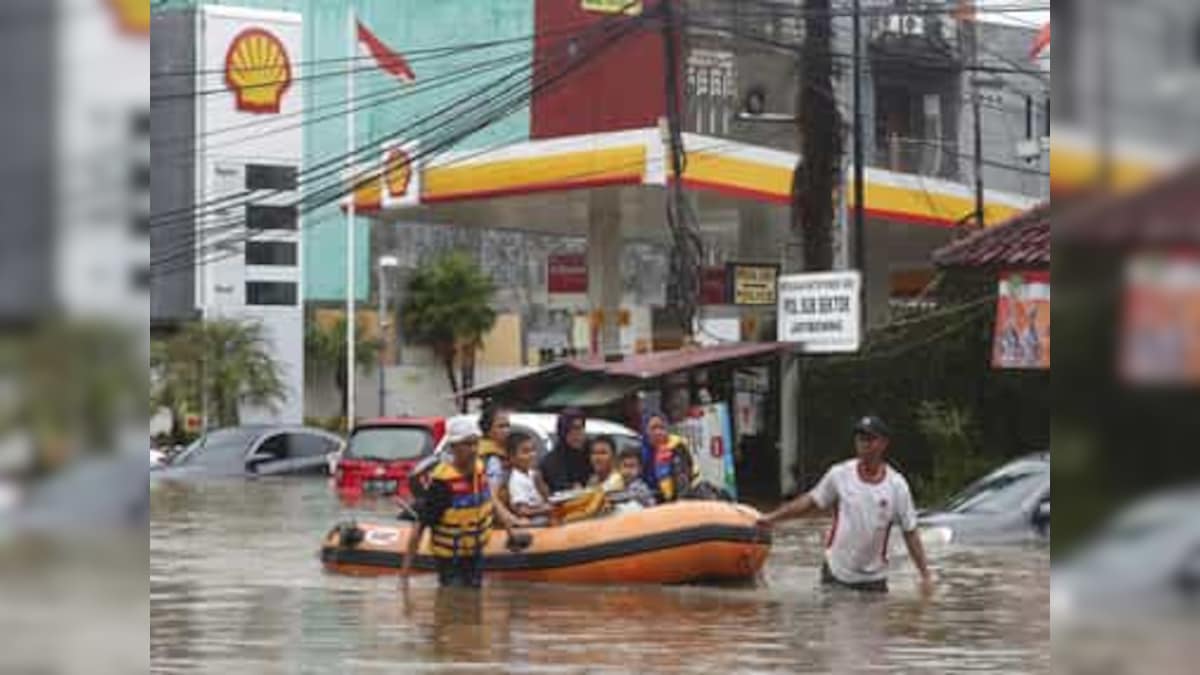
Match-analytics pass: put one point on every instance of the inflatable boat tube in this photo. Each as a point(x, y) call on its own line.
point(681, 542)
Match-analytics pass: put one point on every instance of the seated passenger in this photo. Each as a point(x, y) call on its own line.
point(603, 451)
point(667, 462)
point(527, 493)
point(635, 494)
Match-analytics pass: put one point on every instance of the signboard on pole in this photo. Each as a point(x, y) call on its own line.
point(753, 284)
point(821, 311)
point(612, 6)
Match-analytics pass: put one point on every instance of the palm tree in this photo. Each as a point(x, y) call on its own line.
point(218, 365)
point(448, 308)
point(325, 351)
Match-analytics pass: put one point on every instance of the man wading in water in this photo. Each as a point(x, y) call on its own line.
point(869, 497)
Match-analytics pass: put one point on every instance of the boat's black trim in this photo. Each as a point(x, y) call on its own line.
point(552, 559)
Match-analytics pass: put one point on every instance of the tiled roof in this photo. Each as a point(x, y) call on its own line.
point(1023, 241)
point(1164, 213)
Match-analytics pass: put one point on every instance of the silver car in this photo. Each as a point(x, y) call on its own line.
point(255, 451)
point(1011, 505)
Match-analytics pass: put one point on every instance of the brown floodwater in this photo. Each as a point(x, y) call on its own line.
point(236, 587)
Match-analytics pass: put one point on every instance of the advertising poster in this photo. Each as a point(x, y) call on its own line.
point(709, 433)
point(1022, 335)
point(1160, 342)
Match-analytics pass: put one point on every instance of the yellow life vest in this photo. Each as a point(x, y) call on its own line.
point(663, 466)
point(466, 524)
point(490, 448)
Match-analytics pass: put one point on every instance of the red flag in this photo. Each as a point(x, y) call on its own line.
point(1040, 43)
point(391, 61)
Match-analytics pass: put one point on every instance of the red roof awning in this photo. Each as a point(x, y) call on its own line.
point(657, 364)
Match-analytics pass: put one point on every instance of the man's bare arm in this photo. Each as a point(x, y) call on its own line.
point(793, 509)
point(916, 551)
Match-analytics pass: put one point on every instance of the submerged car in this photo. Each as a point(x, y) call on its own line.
point(382, 453)
point(255, 451)
point(1147, 559)
point(1009, 505)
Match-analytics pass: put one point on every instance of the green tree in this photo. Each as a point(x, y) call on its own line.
point(325, 351)
point(448, 308)
point(216, 366)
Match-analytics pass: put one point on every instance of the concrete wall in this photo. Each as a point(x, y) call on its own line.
point(173, 158)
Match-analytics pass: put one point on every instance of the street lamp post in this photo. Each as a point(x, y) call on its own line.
point(385, 262)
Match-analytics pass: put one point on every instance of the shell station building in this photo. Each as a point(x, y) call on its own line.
point(562, 199)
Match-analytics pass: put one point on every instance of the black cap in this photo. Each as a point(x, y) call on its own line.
point(872, 426)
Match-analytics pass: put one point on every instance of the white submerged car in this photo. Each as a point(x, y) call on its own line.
point(543, 427)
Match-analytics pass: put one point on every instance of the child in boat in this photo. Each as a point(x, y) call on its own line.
point(603, 452)
point(527, 492)
point(635, 492)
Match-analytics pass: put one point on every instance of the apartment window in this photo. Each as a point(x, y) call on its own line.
point(270, 293)
point(140, 278)
point(270, 253)
point(270, 177)
point(140, 224)
point(259, 217)
point(139, 177)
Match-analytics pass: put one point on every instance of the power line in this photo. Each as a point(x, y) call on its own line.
point(340, 159)
point(625, 26)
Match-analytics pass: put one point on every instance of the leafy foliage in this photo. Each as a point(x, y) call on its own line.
point(325, 351)
point(221, 364)
point(448, 308)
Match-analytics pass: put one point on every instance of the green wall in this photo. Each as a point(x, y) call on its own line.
point(412, 27)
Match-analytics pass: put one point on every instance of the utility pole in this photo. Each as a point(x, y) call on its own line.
point(860, 261)
point(977, 112)
point(820, 140)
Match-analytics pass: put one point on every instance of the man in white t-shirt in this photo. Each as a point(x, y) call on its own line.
point(868, 497)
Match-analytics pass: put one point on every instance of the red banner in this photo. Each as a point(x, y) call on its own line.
point(567, 273)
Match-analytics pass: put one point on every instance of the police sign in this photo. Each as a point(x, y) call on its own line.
point(821, 311)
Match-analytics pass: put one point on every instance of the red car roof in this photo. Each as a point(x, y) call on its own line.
point(435, 424)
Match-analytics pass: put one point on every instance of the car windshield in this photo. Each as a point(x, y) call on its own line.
point(223, 446)
point(998, 493)
point(390, 444)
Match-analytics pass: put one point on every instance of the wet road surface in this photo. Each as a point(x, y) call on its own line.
point(235, 586)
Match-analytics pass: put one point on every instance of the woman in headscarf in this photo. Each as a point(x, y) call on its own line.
point(568, 466)
point(668, 465)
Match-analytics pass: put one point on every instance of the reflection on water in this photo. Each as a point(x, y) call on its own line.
point(235, 586)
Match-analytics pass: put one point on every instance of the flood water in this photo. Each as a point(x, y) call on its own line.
point(236, 587)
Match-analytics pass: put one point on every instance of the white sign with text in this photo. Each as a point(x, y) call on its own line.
point(821, 311)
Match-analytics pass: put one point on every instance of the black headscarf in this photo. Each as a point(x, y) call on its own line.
point(565, 467)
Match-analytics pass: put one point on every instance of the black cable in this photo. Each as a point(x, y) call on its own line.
point(343, 158)
point(626, 27)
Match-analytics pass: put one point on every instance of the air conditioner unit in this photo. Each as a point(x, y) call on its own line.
point(912, 24)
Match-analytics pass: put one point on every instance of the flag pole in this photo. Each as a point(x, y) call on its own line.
point(351, 323)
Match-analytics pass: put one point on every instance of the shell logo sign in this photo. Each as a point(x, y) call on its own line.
point(258, 71)
point(397, 173)
point(133, 16)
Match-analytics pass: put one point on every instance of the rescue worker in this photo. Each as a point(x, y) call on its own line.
point(868, 497)
point(668, 466)
point(458, 509)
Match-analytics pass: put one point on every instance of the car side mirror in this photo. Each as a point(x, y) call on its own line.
point(1042, 515)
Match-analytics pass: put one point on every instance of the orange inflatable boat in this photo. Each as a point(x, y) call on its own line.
point(681, 542)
